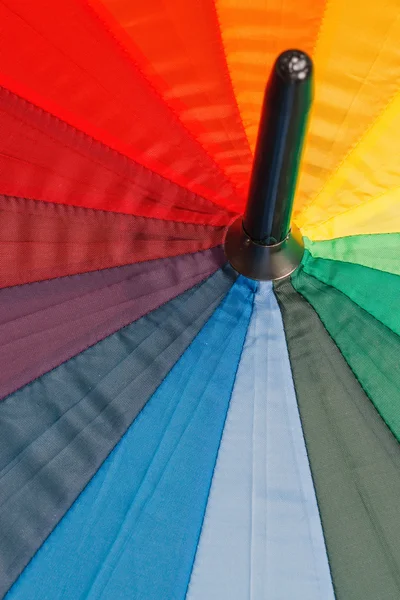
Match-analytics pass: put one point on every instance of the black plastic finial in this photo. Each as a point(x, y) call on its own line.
point(261, 245)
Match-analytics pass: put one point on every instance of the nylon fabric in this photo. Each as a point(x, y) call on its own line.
point(91, 74)
point(47, 240)
point(371, 349)
point(253, 34)
point(374, 216)
point(377, 292)
point(355, 460)
point(177, 45)
point(141, 514)
point(353, 139)
point(45, 324)
point(374, 251)
point(57, 431)
point(43, 158)
point(59, 56)
point(262, 536)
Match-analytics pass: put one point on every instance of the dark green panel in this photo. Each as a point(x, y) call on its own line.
point(371, 349)
point(355, 460)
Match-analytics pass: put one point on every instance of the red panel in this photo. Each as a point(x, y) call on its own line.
point(60, 56)
point(44, 159)
point(39, 240)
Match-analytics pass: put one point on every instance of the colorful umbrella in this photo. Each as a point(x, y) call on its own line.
point(195, 403)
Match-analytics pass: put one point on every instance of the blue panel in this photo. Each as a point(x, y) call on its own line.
point(133, 531)
point(262, 536)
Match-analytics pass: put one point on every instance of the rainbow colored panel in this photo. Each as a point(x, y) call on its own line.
point(168, 428)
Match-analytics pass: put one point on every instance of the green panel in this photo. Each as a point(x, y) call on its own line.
point(377, 292)
point(380, 251)
point(371, 349)
point(354, 458)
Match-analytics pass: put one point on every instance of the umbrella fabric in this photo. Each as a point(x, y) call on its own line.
point(353, 456)
point(168, 428)
point(375, 251)
point(276, 542)
point(163, 468)
point(46, 241)
point(44, 326)
point(73, 425)
point(369, 348)
point(356, 475)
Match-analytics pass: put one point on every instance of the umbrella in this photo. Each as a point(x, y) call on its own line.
point(199, 378)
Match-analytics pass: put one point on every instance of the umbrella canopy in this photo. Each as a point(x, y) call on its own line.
point(170, 428)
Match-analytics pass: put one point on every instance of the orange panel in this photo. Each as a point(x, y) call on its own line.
point(177, 44)
point(254, 33)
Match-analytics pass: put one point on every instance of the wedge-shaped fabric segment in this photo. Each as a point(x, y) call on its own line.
point(355, 459)
point(133, 531)
point(262, 535)
point(371, 349)
point(47, 240)
point(57, 431)
point(379, 251)
point(44, 158)
point(377, 292)
point(253, 34)
point(177, 44)
point(353, 142)
point(61, 57)
point(365, 184)
point(47, 323)
point(375, 216)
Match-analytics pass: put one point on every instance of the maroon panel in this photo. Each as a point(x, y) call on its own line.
point(39, 240)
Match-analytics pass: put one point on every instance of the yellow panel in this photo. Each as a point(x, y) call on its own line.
point(357, 61)
point(367, 183)
point(254, 32)
point(379, 215)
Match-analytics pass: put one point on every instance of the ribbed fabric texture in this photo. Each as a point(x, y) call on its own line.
point(380, 251)
point(355, 460)
point(57, 431)
point(262, 535)
point(41, 240)
point(371, 349)
point(127, 129)
point(377, 292)
point(78, 73)
point(133, 532)
point(46, 323)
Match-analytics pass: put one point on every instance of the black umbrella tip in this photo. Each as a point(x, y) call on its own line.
point(294, 66)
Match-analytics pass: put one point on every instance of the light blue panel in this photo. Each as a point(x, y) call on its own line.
point(133, 532)
point(262, 536)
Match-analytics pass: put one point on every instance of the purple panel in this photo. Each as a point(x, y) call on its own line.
point(44, 324)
